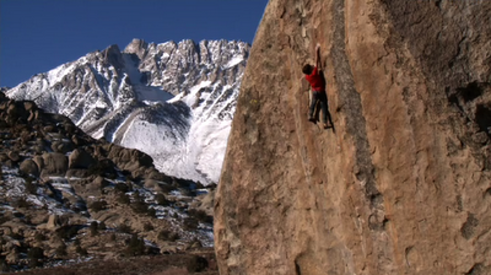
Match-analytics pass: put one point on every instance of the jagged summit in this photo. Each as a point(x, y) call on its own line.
point(136, 46)
point(174, 101)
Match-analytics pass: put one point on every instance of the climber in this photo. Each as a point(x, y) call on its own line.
point(316, 79)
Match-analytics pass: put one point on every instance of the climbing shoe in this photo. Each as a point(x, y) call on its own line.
point(311, 119)
point(326, 126)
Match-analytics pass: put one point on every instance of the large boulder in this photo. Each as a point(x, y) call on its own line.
point(151, 184)
point(62, 146)
point(3, 157)
point(80, 159)
point(14, 156)
point(55, 164)
point(129, 159)
point(52, 224)
point(153, 173)
point(94, 188)
point(16, 110)
point(12, 257)
point(402, 183)
point(29, 105)
point(29, 167)
point(39, 162)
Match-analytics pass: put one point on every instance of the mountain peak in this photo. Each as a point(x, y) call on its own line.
point(136, 46)
point(180, 97)
point(112, 54)
point(111, 49)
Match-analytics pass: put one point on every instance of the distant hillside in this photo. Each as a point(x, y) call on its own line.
point(67, 197)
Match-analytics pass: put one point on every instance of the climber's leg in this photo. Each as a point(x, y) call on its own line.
point(323, 103)
point(315, 98)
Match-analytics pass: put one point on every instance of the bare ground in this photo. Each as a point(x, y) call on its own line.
point(174, 264)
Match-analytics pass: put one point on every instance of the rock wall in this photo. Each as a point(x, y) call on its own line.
point(402, 184)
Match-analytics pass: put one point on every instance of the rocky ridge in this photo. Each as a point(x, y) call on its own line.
point(402, 183)
point(66, 196)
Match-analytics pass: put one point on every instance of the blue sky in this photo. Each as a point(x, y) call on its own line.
point(39, 35)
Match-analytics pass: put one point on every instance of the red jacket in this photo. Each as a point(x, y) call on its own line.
point(316, 81)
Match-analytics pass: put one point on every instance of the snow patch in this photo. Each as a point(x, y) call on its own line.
point(234, 61)
point(56, 75)
point(152, 94)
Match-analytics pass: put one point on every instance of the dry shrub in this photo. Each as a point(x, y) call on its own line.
point(162, 200)
point(196, 264)
point(124, 228)
point(173, 271)
point(148, 227)
point(35, 255)
point(190, 223)
point(201, 216)
point(21, 203)
point(97, 206)
point(167, 235)
point(123, 199)
point(135, 247)
point(121, 187)
point(81, 251)
point(94, 228)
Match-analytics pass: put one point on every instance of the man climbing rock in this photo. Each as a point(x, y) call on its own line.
point(316, 79)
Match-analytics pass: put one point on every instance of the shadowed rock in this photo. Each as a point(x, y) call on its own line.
point(29, 167)
point(55, 164)
point(80, 159)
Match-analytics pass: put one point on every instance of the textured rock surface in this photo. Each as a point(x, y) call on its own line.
point(403, 184)
point(89, 202)
point(80, 159)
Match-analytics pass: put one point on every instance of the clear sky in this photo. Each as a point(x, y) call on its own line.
point(39, 35)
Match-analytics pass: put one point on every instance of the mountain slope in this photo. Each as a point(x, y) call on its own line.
point(402, 183)
point(174, 101)
point(67, 197)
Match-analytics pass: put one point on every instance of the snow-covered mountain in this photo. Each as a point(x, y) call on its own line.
point(174, 101)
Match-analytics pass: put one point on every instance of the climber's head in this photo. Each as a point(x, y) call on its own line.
point(307, 69)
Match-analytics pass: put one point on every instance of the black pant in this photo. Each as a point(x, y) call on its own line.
point(322, 99)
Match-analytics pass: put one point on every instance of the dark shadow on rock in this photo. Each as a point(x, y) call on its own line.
point(483, 118)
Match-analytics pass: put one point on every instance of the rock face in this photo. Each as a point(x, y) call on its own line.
point(402, 184)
